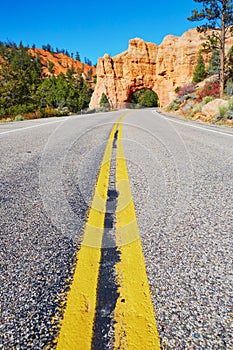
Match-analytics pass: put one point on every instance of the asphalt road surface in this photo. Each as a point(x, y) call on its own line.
point(181, 178)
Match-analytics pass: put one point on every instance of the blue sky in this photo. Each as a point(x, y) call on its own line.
point(92, 28)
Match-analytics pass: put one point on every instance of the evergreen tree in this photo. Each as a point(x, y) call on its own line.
point(230, 62)
point(104, 101)
point(53, 92)
point(148, 99)
point(87, 61)
point(199, 73)
point(218, 15)
point(77, 56)
point(48, 48)
point(20, 77)
point(23, 87)
point(145, 98)
point(229, 72)
point(79, 94)
point(70, 72)
point(214, 65)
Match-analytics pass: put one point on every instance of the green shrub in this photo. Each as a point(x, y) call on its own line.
point(223, 111)
point(197, 108)
point(2, 113)
point(104, 101)
point(19, 118)
point(174, 105)
point(207, 99)
point(19, 109)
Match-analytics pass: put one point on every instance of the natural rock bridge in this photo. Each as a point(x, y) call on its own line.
point(148, 66)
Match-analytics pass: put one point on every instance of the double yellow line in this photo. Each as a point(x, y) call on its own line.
point(135, 326)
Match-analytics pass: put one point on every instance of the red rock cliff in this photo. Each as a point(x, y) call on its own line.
point(61, 62)
point(145, 65)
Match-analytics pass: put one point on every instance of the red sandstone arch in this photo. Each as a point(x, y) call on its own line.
point(146, 65)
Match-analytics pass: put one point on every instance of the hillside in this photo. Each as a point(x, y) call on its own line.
point(60, 62)
point(37, 83)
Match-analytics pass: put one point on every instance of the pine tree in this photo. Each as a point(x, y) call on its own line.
point(53, 91)
point(214, 64)
point(230, 63)
point(148, 99)
point(218, 15)
point(77, 56)
point(104, 101)
point(20, 77)
point(23, 87)
point(87, 61)
point(145, 98)
point(199, 73)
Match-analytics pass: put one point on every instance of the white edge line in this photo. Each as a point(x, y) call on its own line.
point(32, 126)
point(57, 121)
point(192, 126)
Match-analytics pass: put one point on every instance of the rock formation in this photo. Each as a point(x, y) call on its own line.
point(145, 65)
point(61, 62)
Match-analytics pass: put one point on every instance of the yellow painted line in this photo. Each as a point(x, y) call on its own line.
point(77, 325)
point(135, 327)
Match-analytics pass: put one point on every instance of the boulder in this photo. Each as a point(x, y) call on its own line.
point(211, 109)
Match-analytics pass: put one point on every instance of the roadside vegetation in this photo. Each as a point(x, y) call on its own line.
point(209, 97)
point(203, 102)
point(26, 93)
point(193, 99)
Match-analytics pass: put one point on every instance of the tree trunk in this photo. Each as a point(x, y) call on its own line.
point(222, 49)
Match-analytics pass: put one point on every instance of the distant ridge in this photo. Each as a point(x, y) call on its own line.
point(61, 62)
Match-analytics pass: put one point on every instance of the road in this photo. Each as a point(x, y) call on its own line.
point(178, 181)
